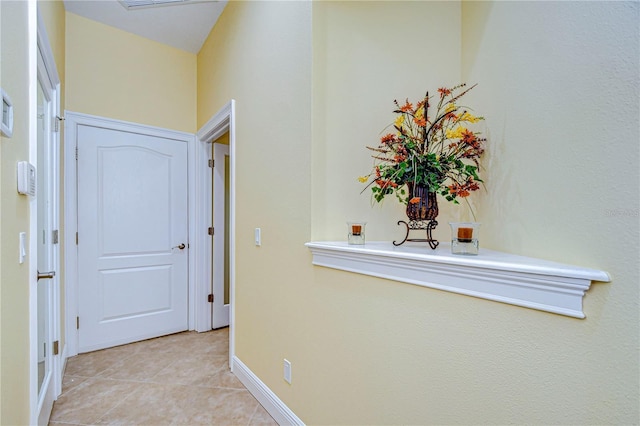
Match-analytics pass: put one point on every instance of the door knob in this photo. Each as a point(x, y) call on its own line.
point(45, 275)
point(181, 246)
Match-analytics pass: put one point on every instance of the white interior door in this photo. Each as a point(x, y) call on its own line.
point(45, 255)
point(220, 261)
point(132, 237)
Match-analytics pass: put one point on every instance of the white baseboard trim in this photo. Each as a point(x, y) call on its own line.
point(274, 406)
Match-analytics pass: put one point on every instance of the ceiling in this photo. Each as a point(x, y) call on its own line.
point(184, 25)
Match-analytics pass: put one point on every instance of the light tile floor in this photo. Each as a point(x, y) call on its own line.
point(181, 379)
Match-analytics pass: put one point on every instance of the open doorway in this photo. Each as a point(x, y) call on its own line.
point(221, 124)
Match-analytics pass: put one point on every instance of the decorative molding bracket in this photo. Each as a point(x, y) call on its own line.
point(517, 280)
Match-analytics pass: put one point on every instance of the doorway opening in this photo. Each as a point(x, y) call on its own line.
point(222, 123)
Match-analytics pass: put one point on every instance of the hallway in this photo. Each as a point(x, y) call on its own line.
point(181, 379)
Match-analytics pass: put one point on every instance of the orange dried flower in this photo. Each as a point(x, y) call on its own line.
point(407, 107)
point(464, 189)
point(444, 92)
point(384, 183)
point(389, 137)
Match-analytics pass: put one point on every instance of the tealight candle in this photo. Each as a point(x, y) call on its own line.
point(465, 234)
point(464, 238)
point(356, 232)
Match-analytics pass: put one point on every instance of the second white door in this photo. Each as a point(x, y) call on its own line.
point(132, 237)
point(220, 261)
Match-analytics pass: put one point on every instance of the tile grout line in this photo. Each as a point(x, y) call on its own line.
point(119, 403)
point(255, 411)
point(71, 391)
point(163, 369)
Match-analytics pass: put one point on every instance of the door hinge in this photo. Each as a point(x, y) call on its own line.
point(210, 230)
point(77, 323)
point(56, 123)
point(76, 153)
point(76, 238)
point(56, 349)
point(210, 298)
point(212, 163)
point(54, 237)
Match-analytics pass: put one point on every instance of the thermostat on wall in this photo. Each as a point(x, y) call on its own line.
point(7, 114)
point(26, 178)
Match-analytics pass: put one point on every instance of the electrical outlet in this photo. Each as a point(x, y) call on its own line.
point(258, 236)
point(287, 371)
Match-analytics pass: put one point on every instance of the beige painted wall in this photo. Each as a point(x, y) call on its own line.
point(372, 351)
point(224, 139)
point(115, 74)
point(53, 15)
point(14, 212)
point(559, 85)
point(260, 54)
point(366, 54)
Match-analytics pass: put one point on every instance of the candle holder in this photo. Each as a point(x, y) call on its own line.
point(464, 238)
point(356, 232)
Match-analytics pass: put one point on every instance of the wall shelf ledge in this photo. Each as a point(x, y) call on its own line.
point(501, 277)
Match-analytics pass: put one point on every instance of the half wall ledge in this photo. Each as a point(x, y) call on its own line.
point(501, 277)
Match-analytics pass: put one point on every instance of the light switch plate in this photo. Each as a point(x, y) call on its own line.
point(6, 126)
point(287, 371)
point(22, 247)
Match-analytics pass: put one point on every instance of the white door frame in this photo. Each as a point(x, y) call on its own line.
point(47, 74)
point(72, 121)
point(223, 121)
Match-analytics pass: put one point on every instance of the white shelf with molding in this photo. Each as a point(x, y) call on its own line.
point(502, 277)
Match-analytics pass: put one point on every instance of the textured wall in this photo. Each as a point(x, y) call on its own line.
point(559, 85)
point(366, 55)
point(372, 351)
point(115, 74)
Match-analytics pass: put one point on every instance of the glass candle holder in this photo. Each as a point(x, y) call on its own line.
point(464, 238)
point(356, 232)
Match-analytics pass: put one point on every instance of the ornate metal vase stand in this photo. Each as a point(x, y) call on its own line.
point(420, 225)
point(422, 214)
